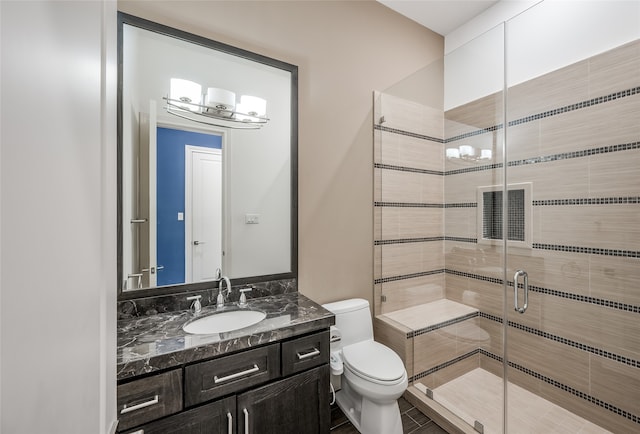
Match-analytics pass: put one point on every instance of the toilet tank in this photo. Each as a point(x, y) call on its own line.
point(353, 319)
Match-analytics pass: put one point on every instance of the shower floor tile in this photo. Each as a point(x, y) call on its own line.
point(477, 395)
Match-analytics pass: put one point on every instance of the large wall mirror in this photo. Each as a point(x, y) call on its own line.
point(207, 162)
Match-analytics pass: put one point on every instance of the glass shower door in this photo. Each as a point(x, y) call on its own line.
point(573, 218)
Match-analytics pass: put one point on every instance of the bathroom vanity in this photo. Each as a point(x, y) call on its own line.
point(272, 377)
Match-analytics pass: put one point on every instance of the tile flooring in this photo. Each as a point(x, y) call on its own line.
point(477, 395)
point(413, 421)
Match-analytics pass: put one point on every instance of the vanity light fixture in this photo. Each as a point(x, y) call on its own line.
point(186, 94)
point(468, 153)
point(216, 107)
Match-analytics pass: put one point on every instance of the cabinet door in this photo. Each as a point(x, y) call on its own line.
point(216, 418)
point(296, 405)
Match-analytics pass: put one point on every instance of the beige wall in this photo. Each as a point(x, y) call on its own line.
point(344, 51)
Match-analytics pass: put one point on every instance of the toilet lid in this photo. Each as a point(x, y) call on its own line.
point(369, 359)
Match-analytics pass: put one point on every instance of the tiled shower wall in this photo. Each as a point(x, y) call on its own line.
point(575, 135)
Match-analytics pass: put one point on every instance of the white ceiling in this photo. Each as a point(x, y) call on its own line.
point(441, 16)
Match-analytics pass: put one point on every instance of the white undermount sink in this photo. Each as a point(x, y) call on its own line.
point(222, 322)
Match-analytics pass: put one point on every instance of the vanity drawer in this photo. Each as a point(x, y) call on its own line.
point(305, 352)
point(209, 380)
point(147, 399)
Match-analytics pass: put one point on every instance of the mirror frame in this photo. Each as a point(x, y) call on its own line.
point(142, 23)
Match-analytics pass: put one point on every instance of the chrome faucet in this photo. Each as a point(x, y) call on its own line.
point(220, 279)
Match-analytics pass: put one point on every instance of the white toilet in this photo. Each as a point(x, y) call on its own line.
point(373, 376)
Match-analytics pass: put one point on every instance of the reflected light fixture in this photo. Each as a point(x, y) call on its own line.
point(216, 107)
point(468, 153)
point(187, 94)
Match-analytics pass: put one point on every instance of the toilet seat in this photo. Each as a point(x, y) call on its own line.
point(374, 362)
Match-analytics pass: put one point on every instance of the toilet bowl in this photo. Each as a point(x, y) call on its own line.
point(372, 376)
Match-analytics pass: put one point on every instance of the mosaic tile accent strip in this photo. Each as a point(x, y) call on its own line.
point(407, 133)
point(443, 324)
point(474, 133)
point(588, 250)
point(577, 106)
point(546, 114)
point(576, 154)
point(461, 205)
point(577, 297)
point(592, 201)
point(425, 205)
point(424, 240)
point(408, 276)
point(591, 349)
point(408, 205)
point(585, 299)
point(474, 169)
point(461, 239)
point(408, 240)
point(575, 392)
point(444, 365)
point(408, 169)
point(474, 276)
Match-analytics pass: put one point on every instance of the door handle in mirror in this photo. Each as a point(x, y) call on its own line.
point(197, 243)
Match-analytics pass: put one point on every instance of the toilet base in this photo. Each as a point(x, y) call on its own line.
point(369, 417)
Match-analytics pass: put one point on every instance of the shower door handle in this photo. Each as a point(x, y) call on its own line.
point(525, 286)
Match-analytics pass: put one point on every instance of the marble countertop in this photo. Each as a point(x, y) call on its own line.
point(156, 342)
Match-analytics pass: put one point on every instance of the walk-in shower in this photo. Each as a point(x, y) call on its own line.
point(507, 227)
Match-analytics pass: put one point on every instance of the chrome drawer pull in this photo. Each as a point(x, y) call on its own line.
point(149, 403)
point(217, 380)
point(315, 352)
point(246, 421)
point(230, 424)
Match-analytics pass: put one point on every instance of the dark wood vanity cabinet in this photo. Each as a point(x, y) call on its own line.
point(295, 405)
point(281, 388)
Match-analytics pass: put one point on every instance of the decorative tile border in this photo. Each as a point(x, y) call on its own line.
point(577, 297)
point(575, 392)
point(407, 133)
point(474, 169)
point(443, 365)
point(461, 205)
point(576, 154)
point(408, 169)
point(425, 205)
point(549, 113)
point(591, 349)
point(590, 201)
point(408, 205)
point(443, 324)
point(473, 133)
point(588, 250)
point(577, 106)
point(408, 240)
point(461, 239)
point(408, 276)
point(424, 240)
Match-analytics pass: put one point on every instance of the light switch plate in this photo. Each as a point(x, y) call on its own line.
point(252, 219)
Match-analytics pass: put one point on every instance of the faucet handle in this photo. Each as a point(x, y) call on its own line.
point(243, 297)
point(196, 305)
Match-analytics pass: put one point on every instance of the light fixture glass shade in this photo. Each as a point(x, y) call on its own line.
point(220, 101)
point(486, 154)
point(453, 153)
point(241, 111)
point(252, 105)
point(467, 151)
point(187, 92)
